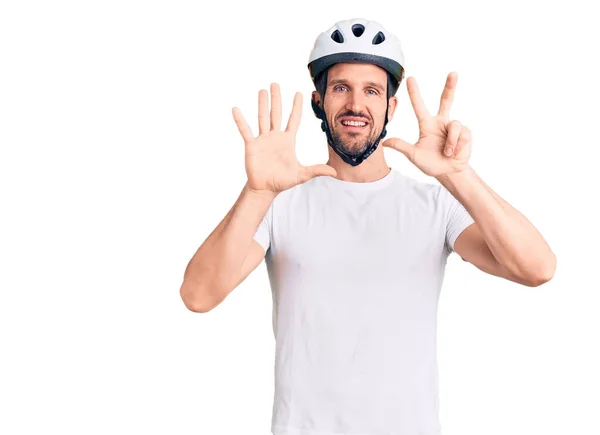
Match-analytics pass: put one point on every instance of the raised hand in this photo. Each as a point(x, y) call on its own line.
point(271, 163)
point(444, 146)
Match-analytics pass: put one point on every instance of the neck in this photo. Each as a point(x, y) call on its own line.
point(372, 169)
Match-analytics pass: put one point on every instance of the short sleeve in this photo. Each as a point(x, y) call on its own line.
point(457, 218)
point(263, 232)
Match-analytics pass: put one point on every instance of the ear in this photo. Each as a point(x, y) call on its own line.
point(392, 104)
point(317, 99)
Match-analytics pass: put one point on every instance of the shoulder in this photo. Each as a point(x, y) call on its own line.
point(419, 191)
point(295, 195)
point(419, 186)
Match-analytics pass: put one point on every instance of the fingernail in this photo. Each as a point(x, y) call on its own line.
point(448, 152)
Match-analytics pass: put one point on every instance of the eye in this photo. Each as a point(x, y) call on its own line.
point(339, 86)
point(374, 91)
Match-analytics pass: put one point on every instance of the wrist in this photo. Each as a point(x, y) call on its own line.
point(455, 177)
point(260, 194)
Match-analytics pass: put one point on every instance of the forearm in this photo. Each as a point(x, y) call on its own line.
point(512, 239)
point(219, 259)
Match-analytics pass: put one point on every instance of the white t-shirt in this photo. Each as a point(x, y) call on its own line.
point(355, 271)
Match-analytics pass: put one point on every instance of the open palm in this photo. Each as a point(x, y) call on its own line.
point(271, 162)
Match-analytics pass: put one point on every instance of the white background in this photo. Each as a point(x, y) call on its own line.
point(120, 155)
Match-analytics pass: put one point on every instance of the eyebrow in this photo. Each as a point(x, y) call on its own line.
point(372, 84)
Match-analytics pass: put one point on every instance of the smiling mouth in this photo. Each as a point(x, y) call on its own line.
point(354, 127)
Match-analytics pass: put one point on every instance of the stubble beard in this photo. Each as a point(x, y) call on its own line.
point(353, 144)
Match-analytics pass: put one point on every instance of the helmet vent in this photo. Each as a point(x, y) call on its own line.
point(337, 37)
point(379, 38)
point(358, 29)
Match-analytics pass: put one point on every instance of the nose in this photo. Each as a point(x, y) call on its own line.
point(355, 102)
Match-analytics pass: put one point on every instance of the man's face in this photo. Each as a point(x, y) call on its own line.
point(355, 91)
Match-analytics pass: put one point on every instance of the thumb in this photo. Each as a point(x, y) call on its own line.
point(399, 145)
point(309, 172)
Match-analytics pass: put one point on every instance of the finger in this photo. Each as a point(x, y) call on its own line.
point(294, 120)
point(263, 112)
point(275, 107)
point(448, 96)
point(452, 137)
point(416, 100)
point(400, 145)
point(242, 125)
point(463, 139)
point(309, 172)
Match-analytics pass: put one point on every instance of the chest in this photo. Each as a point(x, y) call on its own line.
point(388, 238)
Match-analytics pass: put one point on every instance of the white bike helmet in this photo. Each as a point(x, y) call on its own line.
point(356, 41)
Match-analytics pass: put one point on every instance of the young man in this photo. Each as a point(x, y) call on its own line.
point(355, 250)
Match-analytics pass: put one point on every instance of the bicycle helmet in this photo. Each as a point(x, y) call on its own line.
point(356, 41)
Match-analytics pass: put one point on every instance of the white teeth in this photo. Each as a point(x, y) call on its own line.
point(354, 123)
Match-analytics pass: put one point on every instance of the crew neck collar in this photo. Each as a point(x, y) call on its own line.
point(362, 186)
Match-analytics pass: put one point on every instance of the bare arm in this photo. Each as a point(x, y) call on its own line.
point(229, 254)
point(510, 237)
point(217, 267)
